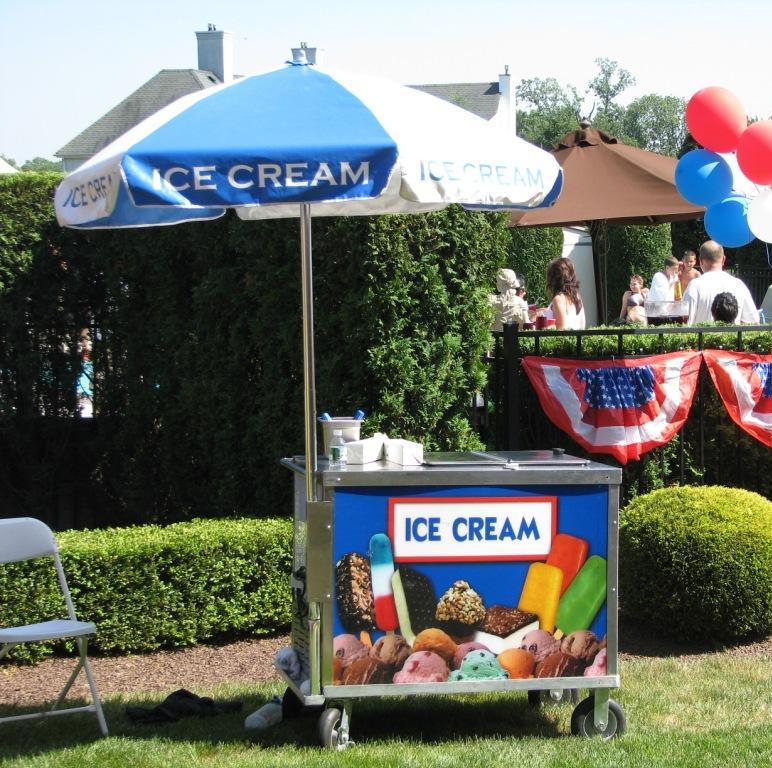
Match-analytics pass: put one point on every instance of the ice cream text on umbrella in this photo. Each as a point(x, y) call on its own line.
point(243, 176)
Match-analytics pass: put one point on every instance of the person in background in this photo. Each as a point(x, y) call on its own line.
point(703, 289)
point(521, 290)
point(508, 305)
point(84, 385)
point(566, 307)
point(632, 302)
point(724, 308)
point(663, 283)
point(686, 269)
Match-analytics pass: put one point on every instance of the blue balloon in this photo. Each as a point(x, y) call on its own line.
point(703, 177)
point(727, 222)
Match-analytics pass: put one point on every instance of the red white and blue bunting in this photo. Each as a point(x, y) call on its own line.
point(744, 382)
point(623, 407)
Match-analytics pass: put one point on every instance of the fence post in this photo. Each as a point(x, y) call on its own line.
point(512, 386)
point(701, 410)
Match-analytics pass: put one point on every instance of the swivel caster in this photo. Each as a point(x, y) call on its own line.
point(333, 733)
point(583, 720)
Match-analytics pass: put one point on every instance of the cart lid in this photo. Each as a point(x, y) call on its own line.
point(553, 458)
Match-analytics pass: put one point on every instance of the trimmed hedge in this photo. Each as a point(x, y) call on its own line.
point(633, 251)
point(198, 350)
point(531, 250)
point(154, 587)
point(695, 563)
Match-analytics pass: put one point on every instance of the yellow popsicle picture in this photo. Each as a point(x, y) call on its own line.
point(541, 593)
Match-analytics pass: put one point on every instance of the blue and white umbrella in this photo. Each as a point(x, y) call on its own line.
point(301, 141)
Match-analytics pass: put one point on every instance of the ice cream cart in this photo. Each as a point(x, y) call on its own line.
point(473, 572)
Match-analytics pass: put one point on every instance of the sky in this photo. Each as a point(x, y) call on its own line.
point(64, 64)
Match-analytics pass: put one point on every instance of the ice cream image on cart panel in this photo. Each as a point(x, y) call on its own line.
point(494, 585)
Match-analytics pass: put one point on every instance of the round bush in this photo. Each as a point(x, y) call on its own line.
point(695, 563)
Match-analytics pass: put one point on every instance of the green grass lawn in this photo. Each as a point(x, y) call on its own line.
point(713, 711)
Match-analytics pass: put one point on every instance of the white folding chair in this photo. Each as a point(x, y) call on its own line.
point(24, 538)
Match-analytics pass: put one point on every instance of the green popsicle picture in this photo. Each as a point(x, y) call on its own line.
point(583, 598)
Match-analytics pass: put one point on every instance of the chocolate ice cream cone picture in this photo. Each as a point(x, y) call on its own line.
point(460, 610)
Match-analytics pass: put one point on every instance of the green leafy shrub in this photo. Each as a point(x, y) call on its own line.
point(695, 563)
point(156, 587)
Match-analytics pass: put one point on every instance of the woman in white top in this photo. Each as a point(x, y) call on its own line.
point(566, 308)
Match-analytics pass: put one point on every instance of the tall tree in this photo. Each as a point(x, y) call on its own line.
point(656, 123)
point(550, 111)
point(42, 164)
point(610, 82)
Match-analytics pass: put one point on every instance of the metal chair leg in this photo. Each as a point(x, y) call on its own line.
point(83, 644)
point(68, 685)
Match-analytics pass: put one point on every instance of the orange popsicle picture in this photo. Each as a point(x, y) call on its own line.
point(568, 553)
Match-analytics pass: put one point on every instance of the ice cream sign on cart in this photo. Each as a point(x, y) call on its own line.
point(456, 584)
point(466, 529)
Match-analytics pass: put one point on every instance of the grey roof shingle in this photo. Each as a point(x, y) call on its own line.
point(480, 98)
point(162, 89)
point(170, 84)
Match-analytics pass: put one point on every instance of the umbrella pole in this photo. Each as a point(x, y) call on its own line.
point(309, 385)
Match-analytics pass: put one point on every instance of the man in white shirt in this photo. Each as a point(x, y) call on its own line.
point(702, 290)
point(663, 283)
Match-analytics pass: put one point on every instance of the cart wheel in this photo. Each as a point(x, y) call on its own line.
point(583, 720)
point(330, 733)
point(534, 698)
point(291, 705)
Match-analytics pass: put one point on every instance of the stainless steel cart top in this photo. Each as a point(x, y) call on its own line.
point(520, 467)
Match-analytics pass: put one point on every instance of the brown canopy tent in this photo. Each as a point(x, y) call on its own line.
point(608, 182)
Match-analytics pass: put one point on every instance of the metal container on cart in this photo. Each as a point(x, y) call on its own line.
point(532, 535)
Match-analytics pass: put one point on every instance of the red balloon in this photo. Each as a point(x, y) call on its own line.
point(754, 152)
point(716, 118)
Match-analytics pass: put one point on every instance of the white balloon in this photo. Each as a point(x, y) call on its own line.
point(760, 215)
point(741, 184)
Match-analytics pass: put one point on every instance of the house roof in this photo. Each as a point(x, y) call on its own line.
point(480, 98)
point(162, 89)
point(171, 84)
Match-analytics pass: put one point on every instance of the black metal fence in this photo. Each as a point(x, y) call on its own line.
point(51, 471)
point(758, 281)
point(57, 474)
point(709, 449)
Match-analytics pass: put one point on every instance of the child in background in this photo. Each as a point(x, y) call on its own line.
point(725, 308)
point(663, 284)
point(632, 302)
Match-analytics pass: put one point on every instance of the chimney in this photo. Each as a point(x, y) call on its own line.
point(307, 55)
point(507, 109)
point(215, 52)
